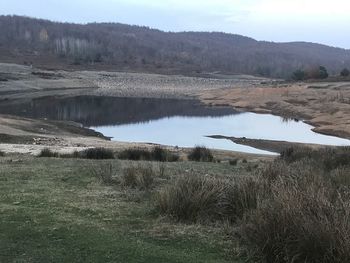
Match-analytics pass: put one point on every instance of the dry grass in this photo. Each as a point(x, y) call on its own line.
point(195, 198)
point(156, 154)
point(97, 154)
point(138, 177)
point(303, 212)
point(105, 173)
point(296, 209)
point(200, 154)
point(47, 153)
point(92, 153)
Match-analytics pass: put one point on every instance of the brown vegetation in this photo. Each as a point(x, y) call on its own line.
point(294, 210)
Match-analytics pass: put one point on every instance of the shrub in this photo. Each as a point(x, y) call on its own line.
point(47, 153)
point(303, 209)
point(322, 73)
point(200, 154)
point(97, 153)
point(302, 220)
point(233, 162)
point(195, 198)
point(162, 155)
point(345, 72)
point(313, 73)
point(157, 154)
point(104, 173)
point(75, 154)
point(329, 157)
point(2, 154)
point(139, 177)
point(296, 209)
point(299, 75)
point(134, 154)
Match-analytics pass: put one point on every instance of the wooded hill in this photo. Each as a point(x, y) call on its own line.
point(123, 47)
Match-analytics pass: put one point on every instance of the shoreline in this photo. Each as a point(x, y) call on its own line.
point(326, 111)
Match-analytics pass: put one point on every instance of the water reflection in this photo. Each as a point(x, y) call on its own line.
point(101, 111)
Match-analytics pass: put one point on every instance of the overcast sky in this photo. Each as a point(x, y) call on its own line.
point(321, 21)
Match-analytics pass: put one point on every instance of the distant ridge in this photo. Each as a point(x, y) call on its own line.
point(115, 46)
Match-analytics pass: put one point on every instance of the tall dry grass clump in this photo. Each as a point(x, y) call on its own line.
point(195, 198)
point(200, 154)
point(105, 173)
point(303, 211)
point(96, 153)
point(296, 209)
point(138, 177)
point(46, 152)
point(158, 154)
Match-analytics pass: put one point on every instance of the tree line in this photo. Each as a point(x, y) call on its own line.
point(120, 46)
point(316, 73)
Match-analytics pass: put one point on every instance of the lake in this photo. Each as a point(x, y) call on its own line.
point(183, 123)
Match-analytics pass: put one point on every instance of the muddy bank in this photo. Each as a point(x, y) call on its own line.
point(24, 130)
point(266, 145)
point(30, 136)
point(326, 106)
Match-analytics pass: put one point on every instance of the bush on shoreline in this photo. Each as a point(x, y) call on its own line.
point(156, 154)
point(46, 152)
point(200, 154)
point(91, 153)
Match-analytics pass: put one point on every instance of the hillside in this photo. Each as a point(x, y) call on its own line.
point(123, 47)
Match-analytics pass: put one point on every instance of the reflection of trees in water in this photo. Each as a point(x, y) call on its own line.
point(98, 111)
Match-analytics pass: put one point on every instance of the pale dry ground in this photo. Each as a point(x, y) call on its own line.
point(23, 84)
point(324, 105)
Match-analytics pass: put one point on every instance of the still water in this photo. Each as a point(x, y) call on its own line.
point(190, 131)
point(183, 123)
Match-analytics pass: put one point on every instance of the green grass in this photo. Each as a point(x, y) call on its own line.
point(56, 210)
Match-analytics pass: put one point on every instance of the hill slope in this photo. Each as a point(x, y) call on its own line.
point(124, 47)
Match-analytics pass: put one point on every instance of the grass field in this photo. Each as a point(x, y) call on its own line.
point(57, 210)
point(295, 208)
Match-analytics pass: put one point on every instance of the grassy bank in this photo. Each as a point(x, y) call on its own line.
point(292, 209)
point(59, 210)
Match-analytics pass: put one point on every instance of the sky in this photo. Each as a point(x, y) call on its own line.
point(319, 21)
